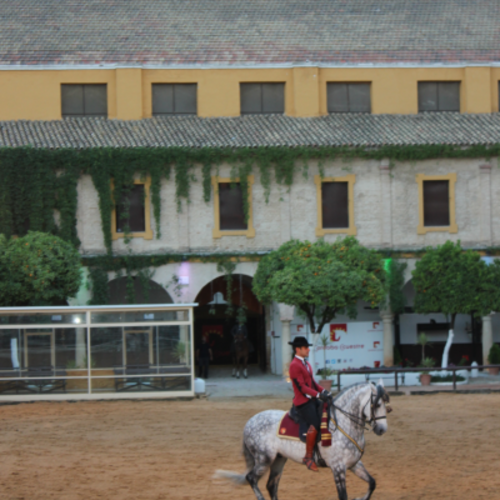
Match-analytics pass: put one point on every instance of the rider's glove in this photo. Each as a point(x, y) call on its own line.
point(324, 395)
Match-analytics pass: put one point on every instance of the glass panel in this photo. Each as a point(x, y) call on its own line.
point(427, 96)
point(335, 204)
point(273, 97)
point(449, 96)
point(141, 358)
point(42, 319)
point(72, 100)
point(131, 212)
point(163, 99)
point(337, 98)
point(251, 98)
point(41, 360)
point(138, 316)
point(359, 98)
point(185, 99)
point(232, 216)
point(436, 203)
point(95, 100)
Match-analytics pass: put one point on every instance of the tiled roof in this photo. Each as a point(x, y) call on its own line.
point(256, 130)
point(248, 32)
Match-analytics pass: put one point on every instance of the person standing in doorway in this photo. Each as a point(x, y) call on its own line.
point(204, 356)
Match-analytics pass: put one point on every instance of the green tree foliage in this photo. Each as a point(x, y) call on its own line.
point(38, 269)
point(321, 279)
point(395, 282)
point(450, 281)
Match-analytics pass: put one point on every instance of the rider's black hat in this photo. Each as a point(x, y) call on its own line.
point(299, 342)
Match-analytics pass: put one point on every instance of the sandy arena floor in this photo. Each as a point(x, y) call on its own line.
point(438, 447)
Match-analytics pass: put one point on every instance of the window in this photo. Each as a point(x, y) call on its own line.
point(133, 213)
point(229, 216)
point(436, 203)
point(349, 98)
point(438, 96)
point(174, 99)
point(84, 100)
point(262, 98)
point(335, 201)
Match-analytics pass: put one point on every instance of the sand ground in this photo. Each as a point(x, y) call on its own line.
point(442, 446)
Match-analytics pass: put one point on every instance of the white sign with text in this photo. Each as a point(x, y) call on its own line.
point(351, 345)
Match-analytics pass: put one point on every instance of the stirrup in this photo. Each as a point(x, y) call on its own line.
point(309, 463)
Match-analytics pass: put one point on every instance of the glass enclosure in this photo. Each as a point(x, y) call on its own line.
point(108, 350)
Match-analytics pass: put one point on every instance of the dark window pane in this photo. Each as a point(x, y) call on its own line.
point(335, 204)
point(436, 203)
point(273, 97)
point(359, 98)
point(136, 219)
point(72, 100)
point(231, 207)
point(185, 99)
point(95, 100)
point(449, 96)
point(338, 101)
point(251, 98)
point(163, 99)
point(427, 96)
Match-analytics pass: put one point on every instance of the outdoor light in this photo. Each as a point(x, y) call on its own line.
point(77, 320)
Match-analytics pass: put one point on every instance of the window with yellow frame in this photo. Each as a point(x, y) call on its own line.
point(436, 203)
point(229, 217)
point(335, 199)
point(139, 212)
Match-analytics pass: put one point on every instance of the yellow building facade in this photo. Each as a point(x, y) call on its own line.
point(35, 94)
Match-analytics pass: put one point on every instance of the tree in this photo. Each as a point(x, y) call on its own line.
point(451, 281)
point(321, 279)
point(38, 269)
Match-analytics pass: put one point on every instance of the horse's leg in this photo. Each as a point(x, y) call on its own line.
point(275, 476)
point(362, 473)
point(338, 470)
point(253, 477)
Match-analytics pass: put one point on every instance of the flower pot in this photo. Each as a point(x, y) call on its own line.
point(494, 371)
point(326, 384)
point(425, 378)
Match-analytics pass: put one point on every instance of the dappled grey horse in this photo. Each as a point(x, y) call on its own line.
point(350, 411)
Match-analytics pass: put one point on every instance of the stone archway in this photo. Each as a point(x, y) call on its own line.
point(212, 318)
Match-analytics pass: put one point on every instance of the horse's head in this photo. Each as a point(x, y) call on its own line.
point(376, 411)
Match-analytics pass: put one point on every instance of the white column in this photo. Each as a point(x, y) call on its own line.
point(385, 204)
point(485, 203)
point(487, 338)
point(184, 335)
point(81, 348)
point(387, 318)
point(286, 316)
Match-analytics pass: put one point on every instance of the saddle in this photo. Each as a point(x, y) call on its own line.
point(294, 428)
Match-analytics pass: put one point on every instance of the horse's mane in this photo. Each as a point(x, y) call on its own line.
point(349, 388)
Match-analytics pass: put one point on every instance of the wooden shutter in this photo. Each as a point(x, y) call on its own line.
point(174, 99)
point(438, 96)
point(72, 100)
point(335, 204)
point(136, 211)
point(257, 98)
point(232, 216)
point(95, 100)
point(436, 203)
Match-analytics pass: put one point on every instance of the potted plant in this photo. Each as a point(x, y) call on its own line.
point(423, 340)
point(494, 359)
point(425, 377)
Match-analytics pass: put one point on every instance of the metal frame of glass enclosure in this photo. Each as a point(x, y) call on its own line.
point(96, 352)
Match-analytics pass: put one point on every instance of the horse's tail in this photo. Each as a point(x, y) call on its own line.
point(234, 477)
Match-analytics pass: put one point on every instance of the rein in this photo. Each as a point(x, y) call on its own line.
point(361, 422)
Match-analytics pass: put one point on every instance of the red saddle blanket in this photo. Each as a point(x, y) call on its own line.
point(289, 429)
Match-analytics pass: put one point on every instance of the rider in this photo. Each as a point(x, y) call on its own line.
point(307, 396)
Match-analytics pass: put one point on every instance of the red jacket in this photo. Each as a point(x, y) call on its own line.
point(303, 382)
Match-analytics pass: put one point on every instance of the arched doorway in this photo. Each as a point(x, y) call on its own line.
point(216, 315)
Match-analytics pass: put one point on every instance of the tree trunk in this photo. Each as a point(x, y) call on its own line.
point(449, 341)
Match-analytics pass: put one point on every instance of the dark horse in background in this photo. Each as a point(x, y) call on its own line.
point(240, 350)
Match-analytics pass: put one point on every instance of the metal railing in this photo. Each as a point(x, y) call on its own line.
point(397, 371)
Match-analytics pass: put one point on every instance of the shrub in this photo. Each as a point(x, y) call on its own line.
point(494, 355)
